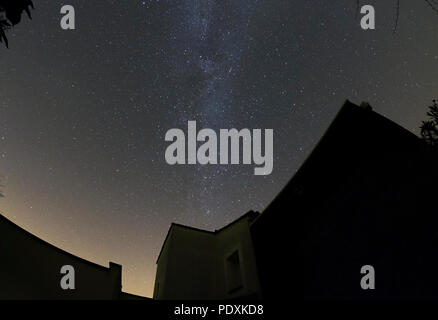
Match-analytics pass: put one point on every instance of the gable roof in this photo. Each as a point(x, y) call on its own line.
point(354, 132)
point(363, 196)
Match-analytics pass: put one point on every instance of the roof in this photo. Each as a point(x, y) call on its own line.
point(251, 215)
point(353, 130)
point(32, 237)
point(362, 196)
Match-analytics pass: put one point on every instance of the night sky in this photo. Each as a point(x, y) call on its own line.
point(84, 113)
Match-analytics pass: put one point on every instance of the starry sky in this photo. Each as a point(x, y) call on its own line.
point(84, 113)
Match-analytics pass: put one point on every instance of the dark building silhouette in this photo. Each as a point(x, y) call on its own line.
point(365, 196)
point(197, 264)
point(30, 269)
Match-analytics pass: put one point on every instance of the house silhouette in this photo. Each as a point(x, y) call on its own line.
point(197, 264)
point(364, 196)
point(30, 270)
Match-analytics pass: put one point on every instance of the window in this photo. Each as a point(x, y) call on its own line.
point(234, 272)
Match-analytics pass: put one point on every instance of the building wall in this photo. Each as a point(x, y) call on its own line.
point(186, 267)
point(363, 197)
point(195, 264)
point(237, 237)
point(160, 279)
point(30, 269)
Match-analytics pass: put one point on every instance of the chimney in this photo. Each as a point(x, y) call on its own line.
point(365, 105)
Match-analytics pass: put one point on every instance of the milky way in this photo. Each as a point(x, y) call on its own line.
point(83, 114)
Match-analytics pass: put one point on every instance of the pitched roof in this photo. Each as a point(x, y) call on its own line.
point(356, 134)
point(364, 195)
